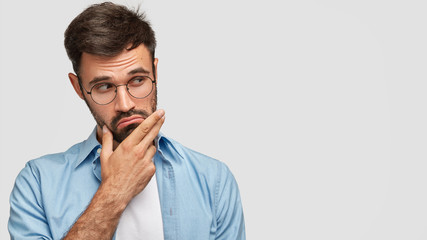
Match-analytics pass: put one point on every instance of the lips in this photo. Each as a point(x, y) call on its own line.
point(129, 120)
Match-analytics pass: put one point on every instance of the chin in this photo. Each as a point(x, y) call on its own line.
point(122, 134)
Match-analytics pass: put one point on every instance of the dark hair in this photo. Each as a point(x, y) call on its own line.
point(106, 29)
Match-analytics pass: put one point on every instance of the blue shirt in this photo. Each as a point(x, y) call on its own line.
point(199, 197)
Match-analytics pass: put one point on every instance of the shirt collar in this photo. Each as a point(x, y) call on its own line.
point(92, 143)
point(164, 143)
point(87, 147)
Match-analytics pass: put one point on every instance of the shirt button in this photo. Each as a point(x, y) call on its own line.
point(98, 151)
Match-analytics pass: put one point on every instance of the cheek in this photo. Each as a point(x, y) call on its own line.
point(101, 114)
point(146, 103)
point(106, 114)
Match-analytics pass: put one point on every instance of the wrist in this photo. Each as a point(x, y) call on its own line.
point(113, 197)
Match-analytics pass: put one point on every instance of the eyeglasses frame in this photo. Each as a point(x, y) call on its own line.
point(153, 82)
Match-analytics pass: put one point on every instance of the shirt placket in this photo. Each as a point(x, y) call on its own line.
point(167, 194)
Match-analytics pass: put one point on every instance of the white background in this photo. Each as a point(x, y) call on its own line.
point(318, 107)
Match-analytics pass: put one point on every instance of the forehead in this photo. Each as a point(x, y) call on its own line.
point(93, 66)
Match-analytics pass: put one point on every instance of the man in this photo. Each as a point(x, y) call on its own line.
point(127, 180)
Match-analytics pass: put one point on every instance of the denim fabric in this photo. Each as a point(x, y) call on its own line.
point(199, 196)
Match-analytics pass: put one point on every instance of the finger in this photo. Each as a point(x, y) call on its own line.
point(107, 143)
point(146, 164)
point(144, 128)
point(147, 169)
point(151, 151)
point(150, 168)
point(152, 134)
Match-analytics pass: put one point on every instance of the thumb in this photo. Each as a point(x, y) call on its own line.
point(107, 143)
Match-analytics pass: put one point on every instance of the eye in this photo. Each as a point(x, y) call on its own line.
point(103, 87)
point(138, 81)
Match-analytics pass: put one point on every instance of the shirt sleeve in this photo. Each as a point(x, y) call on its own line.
point(229, 211)
point(27, 218)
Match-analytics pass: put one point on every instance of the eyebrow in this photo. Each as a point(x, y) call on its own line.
point(138, 70)
point(104, 78)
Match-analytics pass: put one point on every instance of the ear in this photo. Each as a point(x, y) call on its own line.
point(156, 60)
point(75, 82)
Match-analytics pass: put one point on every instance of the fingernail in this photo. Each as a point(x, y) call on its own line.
point(104, 129)
point(161, 113)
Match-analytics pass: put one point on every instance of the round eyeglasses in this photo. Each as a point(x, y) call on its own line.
point(104, 93)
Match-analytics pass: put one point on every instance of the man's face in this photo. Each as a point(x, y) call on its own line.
point(125, 112)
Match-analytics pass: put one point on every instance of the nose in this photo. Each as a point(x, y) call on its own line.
point(123, 101)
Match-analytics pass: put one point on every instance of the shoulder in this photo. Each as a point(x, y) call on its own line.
point(47, 176)
point(51, 163)
point(194, 158)
point(215, 179)
point(41, 171)
point(197, 165)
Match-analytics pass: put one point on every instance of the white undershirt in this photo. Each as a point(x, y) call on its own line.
point(142, 218)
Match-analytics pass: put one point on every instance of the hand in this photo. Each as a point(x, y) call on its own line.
point(128, 169)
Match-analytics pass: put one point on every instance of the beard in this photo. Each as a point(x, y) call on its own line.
point(121, 134)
